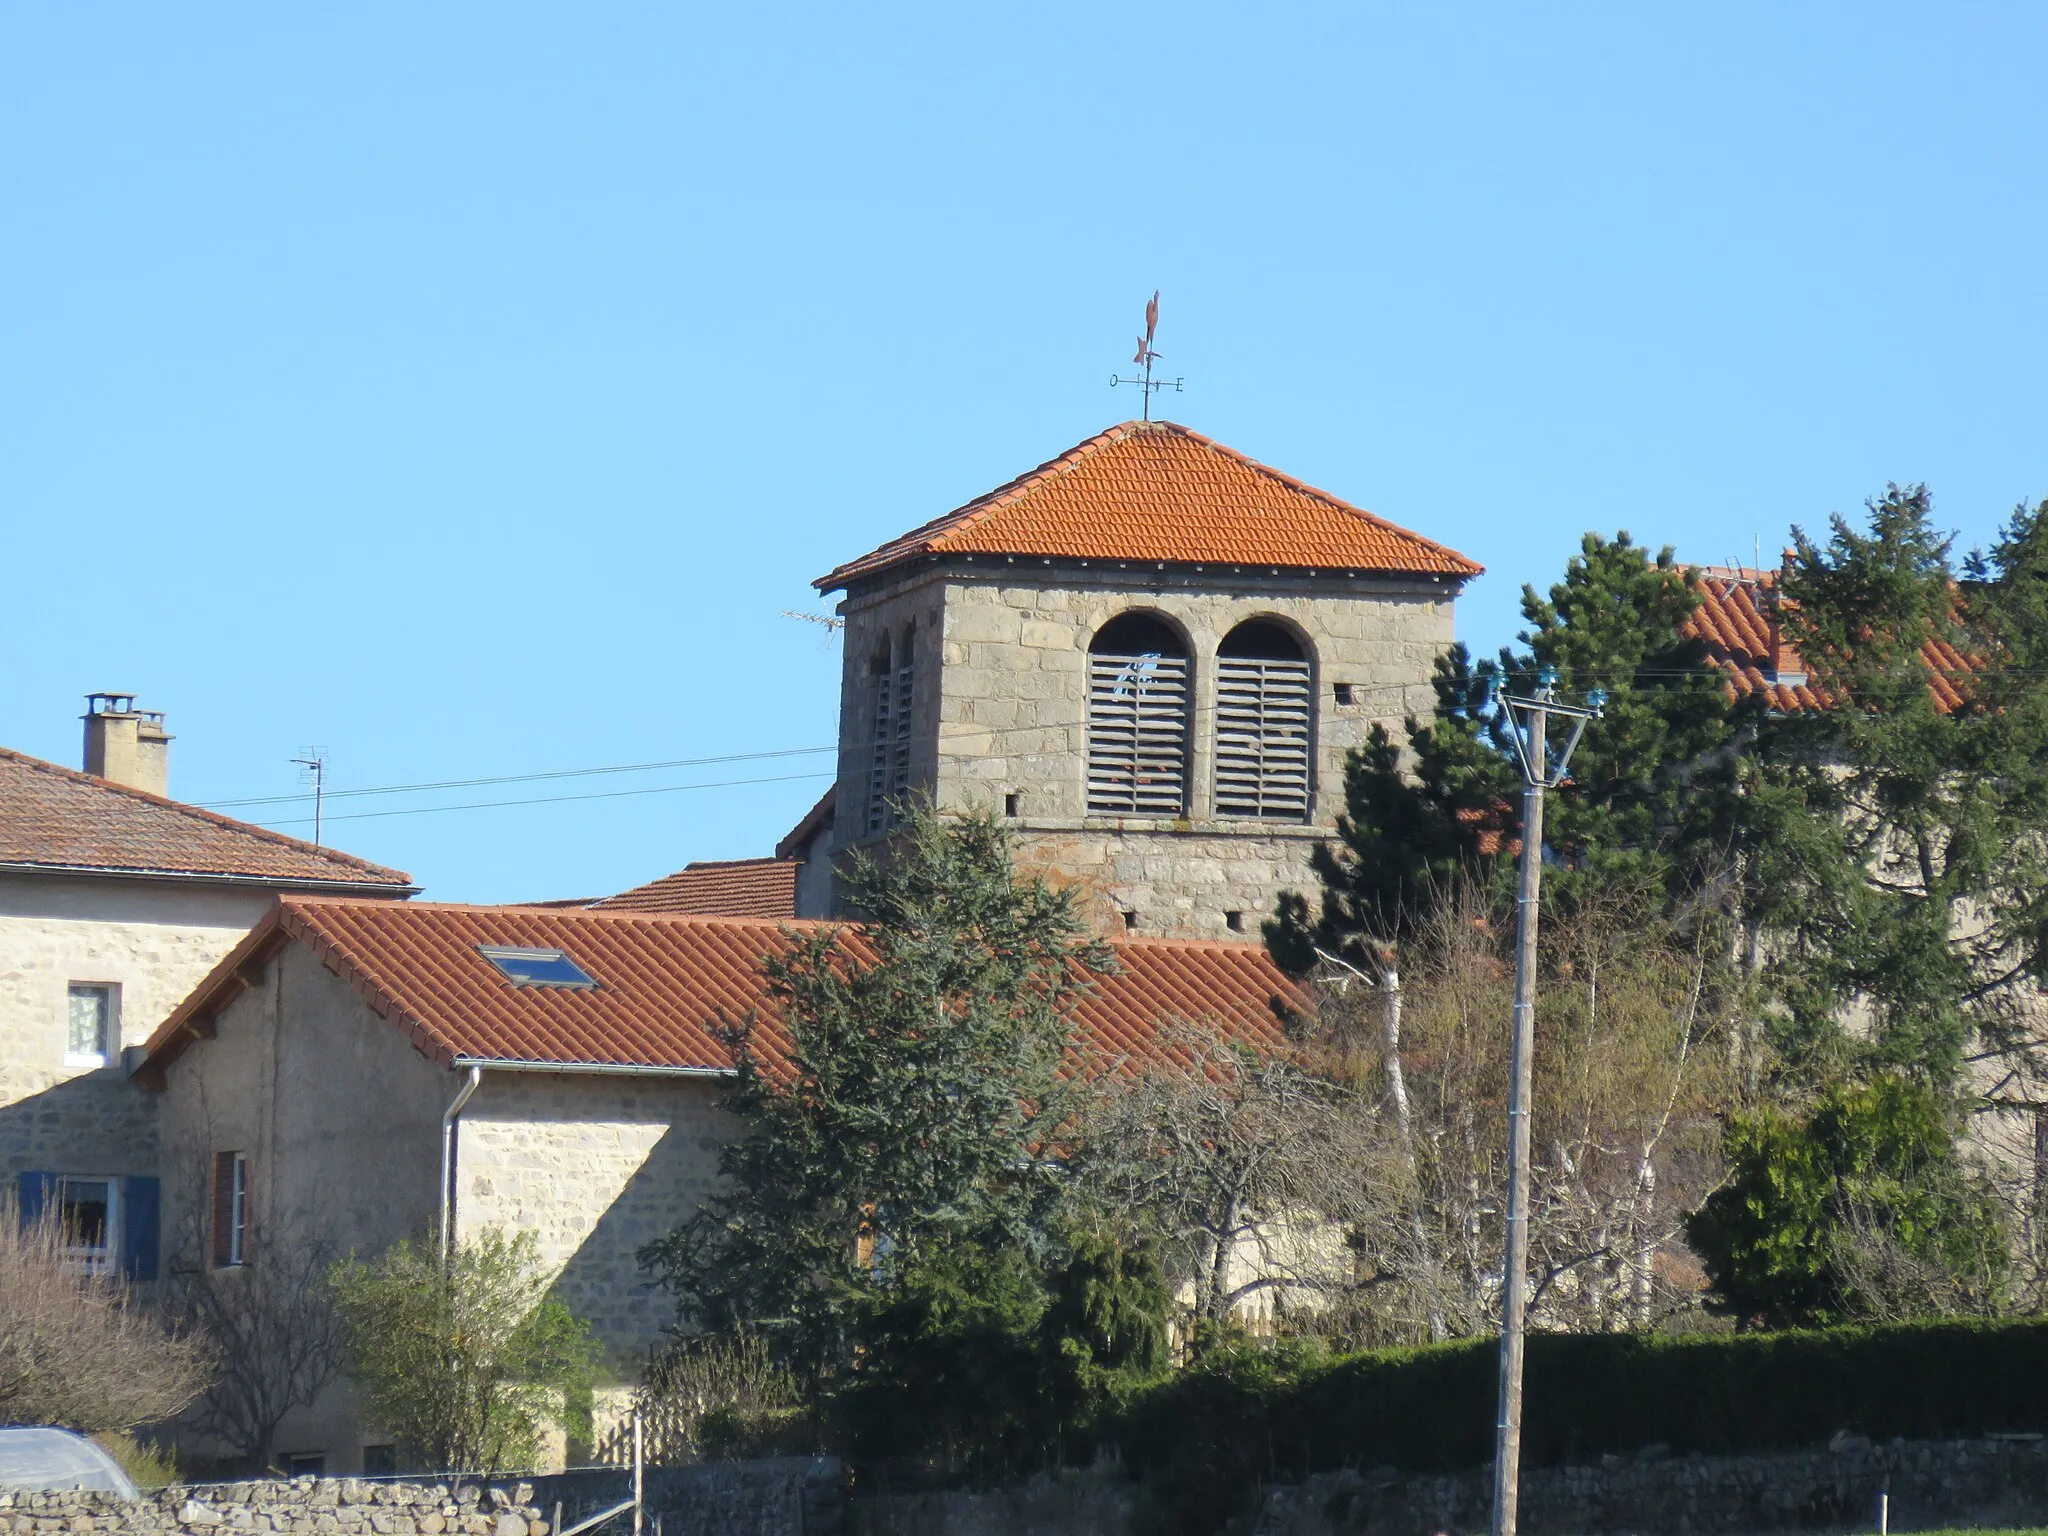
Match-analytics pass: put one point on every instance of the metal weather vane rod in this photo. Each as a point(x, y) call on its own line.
point(1145, 358)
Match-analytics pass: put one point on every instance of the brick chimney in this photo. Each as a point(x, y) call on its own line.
point(126, 745)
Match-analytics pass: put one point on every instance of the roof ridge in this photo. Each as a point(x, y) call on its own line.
point(977, 508)
point(201, 814)
point(1334, 502)
point(314, 899)
point(766, 858)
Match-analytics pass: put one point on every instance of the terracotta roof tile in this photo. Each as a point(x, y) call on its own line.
point(664, 982)
point(1737, 622)
point(57, 818)
point(735, 888)
point(1158, 491)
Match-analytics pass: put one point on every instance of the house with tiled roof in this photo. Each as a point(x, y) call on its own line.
point(716, 888)
point(362, 1071)
point(115, 900)
point(1151, 655)
point(1740, 623)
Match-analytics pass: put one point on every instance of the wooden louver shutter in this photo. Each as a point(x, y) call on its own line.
point(1137, 734)
point(1262, 738)
point(880, 750)
point(889, 753)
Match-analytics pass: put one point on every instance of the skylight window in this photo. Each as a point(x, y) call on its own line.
point(536, 967)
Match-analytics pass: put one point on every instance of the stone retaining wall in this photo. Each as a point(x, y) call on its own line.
point(301, 1504)
point(777, 1496)
point(1996, 1482)
point(2002, 1481)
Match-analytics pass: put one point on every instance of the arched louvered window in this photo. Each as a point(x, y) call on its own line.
point(894, 691)
point(1265, 731)
point(1137, 719)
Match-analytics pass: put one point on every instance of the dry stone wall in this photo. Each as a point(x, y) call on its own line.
point(2001, 1481)
point(775, 1496)
point(305, 1504)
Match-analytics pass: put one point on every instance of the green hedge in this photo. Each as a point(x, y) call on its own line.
point(1252, 1414)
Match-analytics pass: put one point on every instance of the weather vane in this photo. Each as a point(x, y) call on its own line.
point(1146, 358)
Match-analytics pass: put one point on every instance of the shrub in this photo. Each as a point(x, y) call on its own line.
point(1859, 1212)
point(1253, 1414)
point(465, 1364)
point(74, 1349)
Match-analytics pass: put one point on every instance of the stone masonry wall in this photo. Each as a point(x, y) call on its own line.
point(2002, 1481)
point(153, 942)
point(1006, 715)
point(780, 1496)
point(1996, 1482)
point(595, 1167)
point(303, 1504)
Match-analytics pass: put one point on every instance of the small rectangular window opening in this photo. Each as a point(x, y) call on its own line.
point(230, 1210)
point(380, 1460)
point(536, 967)
point(1010, 802)
point(88, 1219)
point(1234, 921)
point(1130, 921)
point(303, 1463)
point(90, 1025)
point(1342, 692)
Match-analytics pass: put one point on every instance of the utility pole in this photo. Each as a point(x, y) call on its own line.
point(1527, 719)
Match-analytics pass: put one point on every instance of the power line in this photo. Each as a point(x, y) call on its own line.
point(611, 794)
point(996, 733)
point(521, 778)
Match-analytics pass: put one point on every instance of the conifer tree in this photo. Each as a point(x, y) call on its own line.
point(913, 1109)
point(1907, 868)
point(1649, 801)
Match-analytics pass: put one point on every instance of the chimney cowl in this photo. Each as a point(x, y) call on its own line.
point(125, 745)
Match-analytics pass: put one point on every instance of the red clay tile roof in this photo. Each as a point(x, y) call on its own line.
point(1737, 621)
point(735, 888)
point(58, 819)
point(1157, 491)
point(663, 984)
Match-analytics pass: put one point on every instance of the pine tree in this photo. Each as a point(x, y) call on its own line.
point(1907, 873)
point(1650, 801)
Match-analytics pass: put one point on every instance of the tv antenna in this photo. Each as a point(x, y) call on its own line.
point(313, 770)
point(1146, 358)
point(830, 624)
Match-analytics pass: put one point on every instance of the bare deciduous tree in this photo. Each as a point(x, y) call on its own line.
point(1245, 1165)
point(74, 1347)
point(1624, 1135)
point(269, 1323)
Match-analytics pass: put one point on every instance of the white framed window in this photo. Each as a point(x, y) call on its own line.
point(1265, 726)
point(230, 1210)
point(92, 1024)
point(1137, 719)
point(89, 1216)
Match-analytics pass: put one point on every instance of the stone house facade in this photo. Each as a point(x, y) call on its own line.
point(1151, 655)
point(354, 1073)
point(114, 902)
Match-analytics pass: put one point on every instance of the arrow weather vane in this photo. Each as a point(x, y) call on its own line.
point(1145, 359)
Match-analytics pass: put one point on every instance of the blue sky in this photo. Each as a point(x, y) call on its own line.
point(467, 388)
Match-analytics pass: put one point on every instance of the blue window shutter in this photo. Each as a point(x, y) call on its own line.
point(32, 1193)
point(139, 1203)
